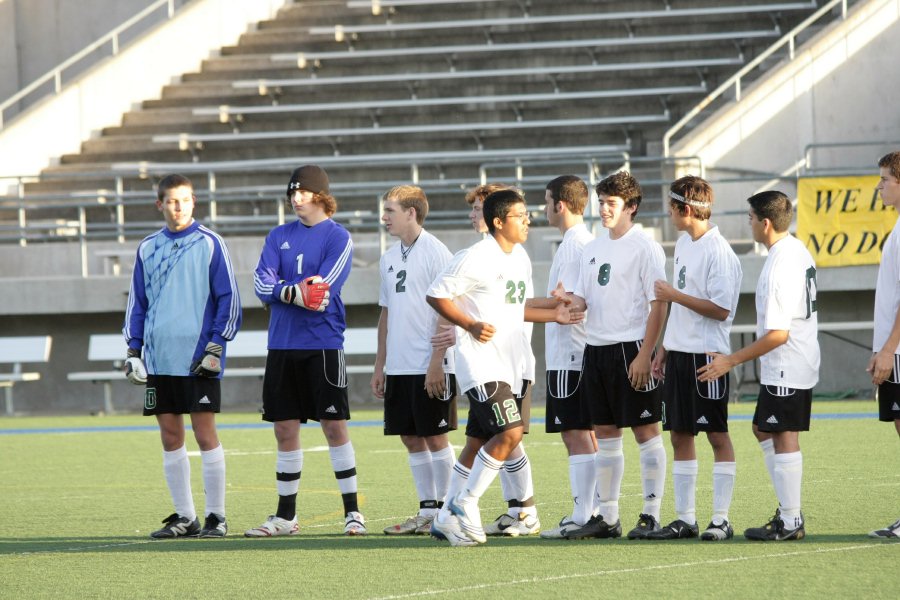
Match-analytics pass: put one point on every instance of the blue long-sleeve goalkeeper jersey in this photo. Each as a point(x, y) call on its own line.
point(183, 295)
point(291, 253)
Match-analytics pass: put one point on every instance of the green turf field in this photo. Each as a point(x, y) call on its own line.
point(78, 506)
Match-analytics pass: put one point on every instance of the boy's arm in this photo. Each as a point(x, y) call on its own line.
point(706, 308)
point(722, 363)
point(446, 308)
point(882, 362)
point(639, 369)
point(434, 377)
point(377, 382)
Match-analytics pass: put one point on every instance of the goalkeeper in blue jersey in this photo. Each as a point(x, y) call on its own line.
point(301, 271)
point(183, 306)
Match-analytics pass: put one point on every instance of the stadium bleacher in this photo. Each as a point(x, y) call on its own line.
point(556, 75)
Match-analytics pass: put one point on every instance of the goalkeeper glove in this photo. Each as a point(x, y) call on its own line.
point(135, 370)
point(210, 364)
point(312, 293)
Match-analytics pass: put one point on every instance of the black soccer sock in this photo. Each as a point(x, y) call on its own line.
point(287, 507)
point(350, 503)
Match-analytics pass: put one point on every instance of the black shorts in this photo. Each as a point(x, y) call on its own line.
point(172, 394)
point(523, 399)
point(888, 395)
point(692, 406)
point(565, 411)
point(608, 394)
point(409, 410)
point(305, 385)
point(781, 408)
point(492, 408)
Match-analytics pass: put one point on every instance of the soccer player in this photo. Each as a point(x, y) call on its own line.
point(183, 306)
point(884, 365)
point(416, 383)
point(616, 282)
point(788, 350)
point(301, 271)
point(566, 197)
point(516, 483)
point(483, 292)
point(704, 295)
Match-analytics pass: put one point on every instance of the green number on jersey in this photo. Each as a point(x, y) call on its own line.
point(510, 409)
point(603, 275)
point(511, 287)
point(681, 275)
point(400, 286)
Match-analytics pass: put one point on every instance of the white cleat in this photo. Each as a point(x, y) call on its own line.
point(355, 524)
point(506, 524)
point(274, 526)
point(446, 527)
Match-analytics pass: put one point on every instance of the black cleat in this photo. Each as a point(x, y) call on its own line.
point(676, 530)
point(646, 524)
point(175, 526)
point(775, 531)
point(715, 532)
point(214, 527)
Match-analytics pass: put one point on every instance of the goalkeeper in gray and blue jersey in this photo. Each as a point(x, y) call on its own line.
point(183, 306)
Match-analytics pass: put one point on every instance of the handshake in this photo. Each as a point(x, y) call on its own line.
point(312, 294)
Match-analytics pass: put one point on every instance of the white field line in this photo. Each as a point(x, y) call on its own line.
point(601, 573)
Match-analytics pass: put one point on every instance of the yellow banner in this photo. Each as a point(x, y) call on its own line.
point(842, 220)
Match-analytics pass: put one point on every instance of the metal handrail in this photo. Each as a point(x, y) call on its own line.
point(55, 74)
point(735, 80)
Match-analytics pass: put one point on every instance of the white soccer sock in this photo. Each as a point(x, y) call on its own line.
point(442, 470)
point(789, 472)
point(723, 488)
point(484, 471)
point(520, 485)
point(457, 482)
point(768, 449)
point(177, 469)
point(420, 465)
point(288, 466)
point(684, 480)
point(582, 481)
point(343, 462)
point(214, 479)
point(610, 464)
point(653, 474)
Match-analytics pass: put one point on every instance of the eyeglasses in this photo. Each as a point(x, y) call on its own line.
point(520, 216)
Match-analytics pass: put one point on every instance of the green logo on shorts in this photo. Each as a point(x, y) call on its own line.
point(150, 399)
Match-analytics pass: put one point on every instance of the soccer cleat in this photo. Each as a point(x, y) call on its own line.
point(175, 526)
point(774, 531)
point(413, 525)
point(274, 526)
point(646, 524)
point(448, 529)
point(714, 532)
point(425, 528)
point(469, 521)
point(559, 532)
point(354, 524)
point(214, 526)
point(890, 532)
point(676, 530)
point(506, 524)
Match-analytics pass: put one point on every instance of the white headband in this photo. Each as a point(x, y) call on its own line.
point(689, 202)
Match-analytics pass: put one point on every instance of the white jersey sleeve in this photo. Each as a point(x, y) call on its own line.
point(887, 291)
point(786, 300)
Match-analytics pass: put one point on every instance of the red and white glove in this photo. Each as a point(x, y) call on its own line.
point(312, 294)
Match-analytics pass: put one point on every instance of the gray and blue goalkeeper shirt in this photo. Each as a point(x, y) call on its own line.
point(183, 295)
